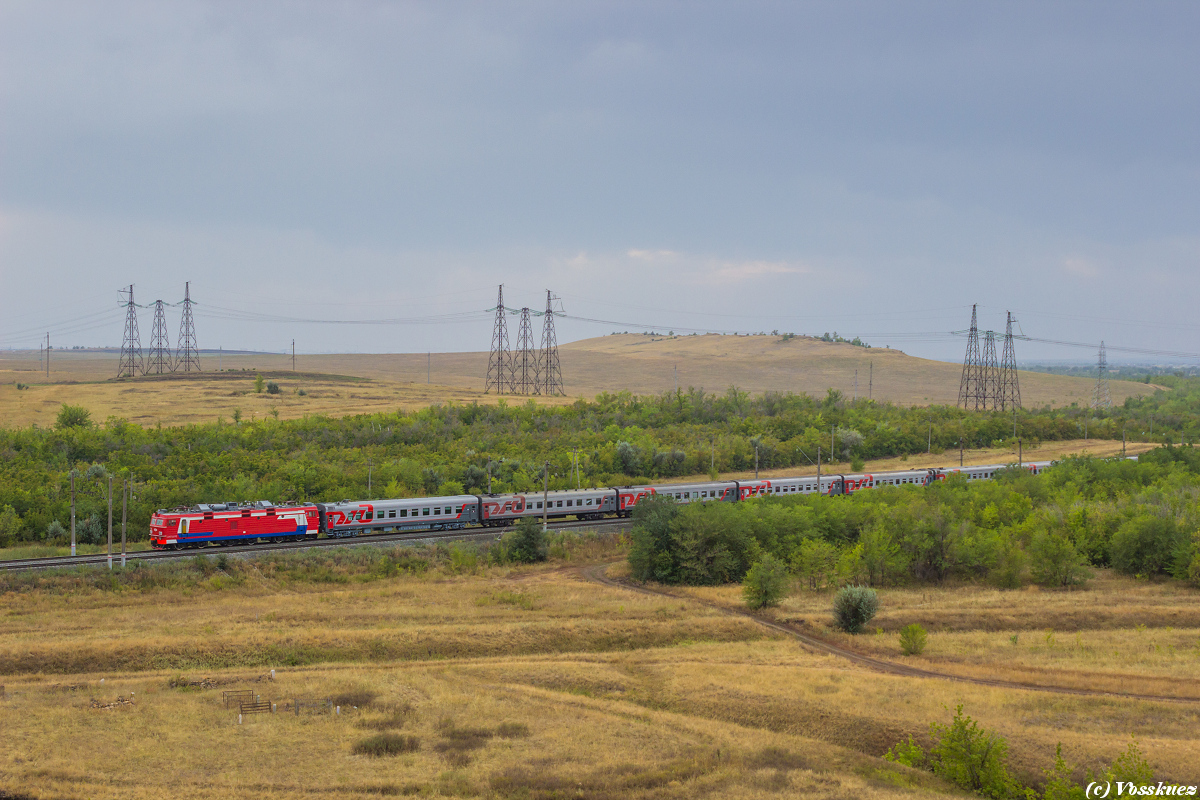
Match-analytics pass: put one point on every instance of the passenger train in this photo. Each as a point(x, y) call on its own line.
point(263, 521)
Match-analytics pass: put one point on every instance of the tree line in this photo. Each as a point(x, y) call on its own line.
point(448, 449)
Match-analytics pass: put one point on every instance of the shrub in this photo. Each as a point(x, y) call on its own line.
point(971, 757)
point(1054, 561)
point(527, 541)
point(259, 384)
point(273, 387)
point(386, 744)
point(10, 526)
point(56, 533)
point(301, 393)
point(766, 582)
point(1146, 545)
point(650, 554)
point(912, 639)
point(854, 607)
point(73, 417)
point(1130, 767)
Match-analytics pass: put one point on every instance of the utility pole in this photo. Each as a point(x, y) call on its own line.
point(713, 465)
point(293, 355)
point(72, 512)
point(124, 515)
point(818, 469)
point(832, 443)
point(755, 462)
point(47, 355)
point(1020, 459)
point(545, 495)
point(929, 443)
point(856, 386)
point(575, 461)
point(676, 379)
point(370, 466)
point(110, 479)
point(489, 472)
point(871, 380)
point(428, 366)
point(960, 451)
point(1123, 440)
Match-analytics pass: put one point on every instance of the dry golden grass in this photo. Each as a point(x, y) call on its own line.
point(536, 682)
point(363, 383)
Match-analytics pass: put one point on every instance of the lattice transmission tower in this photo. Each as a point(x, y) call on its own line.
point(972, 391)
point(991, 372)
point(160, 359)
point(131, 345)
point(189, 353)
point(1010, 387)
point(551, 376)
point(499, 374)
point(526, 372)
point(1101, 398)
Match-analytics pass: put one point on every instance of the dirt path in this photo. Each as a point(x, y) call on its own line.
point(598, 573)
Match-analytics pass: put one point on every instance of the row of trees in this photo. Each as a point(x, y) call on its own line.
point(1141, 518)
point(447, 449)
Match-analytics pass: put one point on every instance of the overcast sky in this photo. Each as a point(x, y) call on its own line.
point(869, 168)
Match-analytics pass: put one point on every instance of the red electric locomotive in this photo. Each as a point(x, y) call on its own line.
point(232, 523)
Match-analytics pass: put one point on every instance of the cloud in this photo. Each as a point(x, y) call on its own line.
point(1080, 267)
point(741, 271)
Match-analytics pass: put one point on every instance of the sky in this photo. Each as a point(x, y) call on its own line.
point(869, 168)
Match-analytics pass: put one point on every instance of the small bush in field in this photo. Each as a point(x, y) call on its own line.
point(386, 744)
point(854, 607)
point(766, 582)
point(912, 639)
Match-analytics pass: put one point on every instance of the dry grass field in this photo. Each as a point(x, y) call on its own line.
point(538, 682)
point(361, 383)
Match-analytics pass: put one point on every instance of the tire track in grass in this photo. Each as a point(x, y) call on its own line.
point(598, 574)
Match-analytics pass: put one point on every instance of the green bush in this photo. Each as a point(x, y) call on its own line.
point(386, 744)
point(766, 582)
point(912, 639)
point(971, 757)
point(10, 526)
point(73, 417)
point(259, 384)
point(854, 607)
point(1147, 545)
point(527, 541)
point(1055, 562)
point(273, 387)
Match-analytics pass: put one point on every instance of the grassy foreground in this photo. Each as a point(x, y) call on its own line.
point(537, 682)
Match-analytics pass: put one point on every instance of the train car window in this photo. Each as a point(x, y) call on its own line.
point(589, 501)
point(560, 503)
point(424, 512)
point(392, 514)
point(404, 512)
point(569, 504)
point(447, 509)
point(539, 503)
point(370, 516)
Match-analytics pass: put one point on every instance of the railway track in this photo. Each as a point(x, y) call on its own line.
point(413, 537)
point(598, 574)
